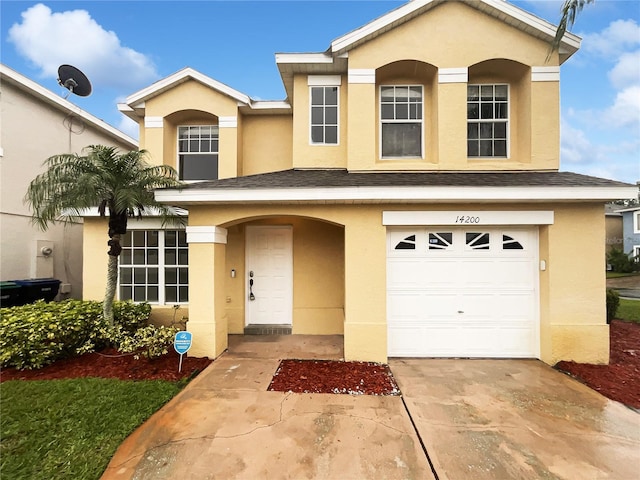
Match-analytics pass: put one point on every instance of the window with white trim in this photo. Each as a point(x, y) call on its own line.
point(487, 120)
point(198, 152)
point(401, 121)
point(324, 115)
point(154, 267)
point(636, 222)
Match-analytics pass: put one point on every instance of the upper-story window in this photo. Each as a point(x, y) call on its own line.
point(487, 120)
point(198, 152)
point(324, 115)
point(401, 121)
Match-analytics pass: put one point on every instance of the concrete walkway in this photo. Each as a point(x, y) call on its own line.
point(479, 419)
point(226, 425)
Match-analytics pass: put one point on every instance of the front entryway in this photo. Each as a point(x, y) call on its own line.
point(462, 292)
point(269, 276)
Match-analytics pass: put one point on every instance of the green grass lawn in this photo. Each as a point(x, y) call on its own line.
point(70, 429)
point(629, 310)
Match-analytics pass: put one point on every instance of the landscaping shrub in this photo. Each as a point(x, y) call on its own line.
point(149, 341)
point(621, 262)
point(35, 335)
point(613, 301)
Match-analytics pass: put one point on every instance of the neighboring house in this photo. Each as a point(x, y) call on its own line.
point(613, 226)
point(36, 124)
point(631, 230)
point(405, 195)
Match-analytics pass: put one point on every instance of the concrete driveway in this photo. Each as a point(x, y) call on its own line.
point(516, 419)
point(457, 419)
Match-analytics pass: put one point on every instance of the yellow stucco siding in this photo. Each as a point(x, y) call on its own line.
point(94, 251)
point(361, 127)
point(267, 143)
point(306, 155)
point(191, 103)
point(451, 35)
point(576, 286)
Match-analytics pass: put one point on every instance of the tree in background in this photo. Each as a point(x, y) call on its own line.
point(121, 183)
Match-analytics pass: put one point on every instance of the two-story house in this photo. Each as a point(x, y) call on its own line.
point(405, 195)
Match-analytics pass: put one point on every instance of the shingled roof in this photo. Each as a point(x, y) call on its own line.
point(326, 178)
point(342, 186)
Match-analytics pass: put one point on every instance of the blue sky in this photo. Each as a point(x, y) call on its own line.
point(124, 46)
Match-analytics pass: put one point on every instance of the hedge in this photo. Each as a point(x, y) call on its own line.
point(37, 334)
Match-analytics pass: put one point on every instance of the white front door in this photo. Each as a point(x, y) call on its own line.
point(269, 275)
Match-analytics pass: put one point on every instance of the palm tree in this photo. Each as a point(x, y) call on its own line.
point(103, 178)
point(569, 11)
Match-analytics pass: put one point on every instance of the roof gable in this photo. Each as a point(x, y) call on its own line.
point(137, 99)
point(65, 106)
point(501, 9)
point(135, 104)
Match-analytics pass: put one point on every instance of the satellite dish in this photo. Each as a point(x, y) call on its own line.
point(74, 80)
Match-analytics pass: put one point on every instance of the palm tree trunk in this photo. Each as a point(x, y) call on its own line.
point(112, 279)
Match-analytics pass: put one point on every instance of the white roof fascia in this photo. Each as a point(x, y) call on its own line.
point(399, 194)
point(628, 209)
point(570, 42)
point(182, 76)
point(284, 58)
point(270, 104)
point(65, 105)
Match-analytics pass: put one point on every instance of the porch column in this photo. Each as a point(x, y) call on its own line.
point(365, 327)
point(207, 318)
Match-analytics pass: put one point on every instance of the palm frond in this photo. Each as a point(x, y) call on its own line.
point(568, 13)
point(103, 178)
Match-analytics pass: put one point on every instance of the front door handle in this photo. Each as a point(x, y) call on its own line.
point(252, 297)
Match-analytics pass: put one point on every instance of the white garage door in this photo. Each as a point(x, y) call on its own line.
point(454, 292)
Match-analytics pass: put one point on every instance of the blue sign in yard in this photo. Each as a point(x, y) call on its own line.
point(182, 342)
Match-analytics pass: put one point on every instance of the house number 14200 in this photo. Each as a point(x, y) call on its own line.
point(467, 219)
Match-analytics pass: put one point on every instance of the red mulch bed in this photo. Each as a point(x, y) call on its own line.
point(331, 376)
point(620, 380)
point(110, 364)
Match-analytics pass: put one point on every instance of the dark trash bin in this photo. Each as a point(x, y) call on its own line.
point(39, 289)
point(10, 294)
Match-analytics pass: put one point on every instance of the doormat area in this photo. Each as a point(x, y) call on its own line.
point(332, 376)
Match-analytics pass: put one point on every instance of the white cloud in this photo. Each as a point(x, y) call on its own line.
point(574, 145)
point(625, 110)
point(128, 126)
point(620, 35)
point(50, 39)
point(627, 71)
point(601, 157)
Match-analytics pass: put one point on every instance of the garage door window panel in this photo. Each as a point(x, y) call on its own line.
point(441, 241)
point(509, 243)
point(409, 243)
point(478, 241)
